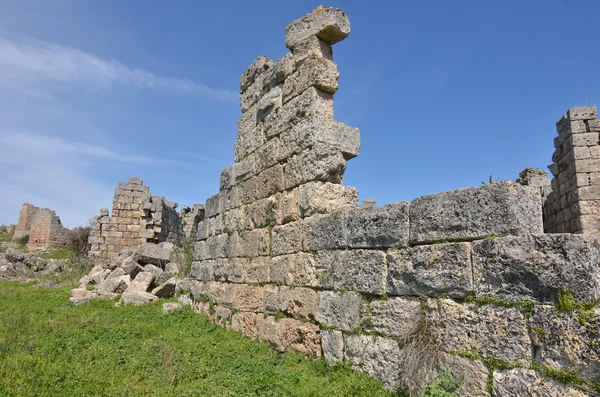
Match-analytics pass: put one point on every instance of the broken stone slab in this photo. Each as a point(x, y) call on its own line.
point(491, 331)
point(136, 297)
point(329, 133)
point(474, 213)
point(166, 289)
point(537, 267)
point(431, 270)
point(116, 282)
point(394, 316)
point(171, 307)
point(377, 356)
point(385, 226)
point(339, 309)
point(324, 197)
point(328, 24)
point(156, 271)
point(131, 267)
point(14, 256)
point(81, 295)
point(141, 282)
point(527, 382)
point(155, 254)
point(318, 164)
point(99, 275)
point(567, 339)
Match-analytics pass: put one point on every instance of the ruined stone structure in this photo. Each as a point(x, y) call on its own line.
point(463, 282)
point(43, 227)
point(190, 217)
point(574, 204)
point(138, 217)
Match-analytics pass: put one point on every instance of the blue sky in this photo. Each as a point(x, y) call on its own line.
point(445, 93)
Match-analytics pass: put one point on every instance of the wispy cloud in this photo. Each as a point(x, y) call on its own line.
point(36, 61)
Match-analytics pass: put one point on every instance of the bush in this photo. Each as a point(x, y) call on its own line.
point(78, 241)
point(23, 240)
point(184, 256)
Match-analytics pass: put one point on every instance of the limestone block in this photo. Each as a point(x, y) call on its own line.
point(245, 322)
point(247, 122)
point(332, 343)
point(431, 270)
point(141, 282)
point(247, 190)
point(229, 269)
point(116, 282)
point(259, 66)
point(292, 333)
point(287, 239)
point(264, 85)
point(491, 331)
point(201, 251)
point(594, 126)
point(248, 244)
point(393, 317)
point(294, 302)
point(216, 247)
point(537, 268)
point(472, 213)
point(326, 231)
point(323, 197)
point(356, 270)
point(247, 298)
point(281, 269)
point(264, 212)
point(311, 104)
point(318, 164)
point(582, 113)
point(328, 24)
point(202, 270)
point(267, 155)
point(171, 307)
point(339, 309)
point(588, 165)
point(229, 199)
point(385, 226)
point(156, 271)
point(213, 206)
point(166, 289)
point(527, 382)
point(330, 133)
point(235, 220)
point(256, 270)
point(378, 357)
point(248, 143)
point(312, 46)
point(290, 207)
point(238, 172)
point(270, 181)
point(314, 72)
point(568, 339)
point(137, 297)
point(268, 104)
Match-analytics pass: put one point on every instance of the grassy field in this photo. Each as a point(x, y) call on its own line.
point(49, 347)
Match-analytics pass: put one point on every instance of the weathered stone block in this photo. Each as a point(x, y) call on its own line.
point(292, 333)
point(202, 270)
point(295, 302)
point(317, 72)
point(582, 113)
point(328, 24)
point(267, 155)
point(331, 134)
point(326, 231)
point(245, 322)
point(290, 207)
point(251, 243)
point(431, 270)
point(256, 270)
point(472, 213)
point(287, 239)
point(385, 226)
point(318, 164)
point(567, 340)
point(265, 212)
point(312, 46)
point(282, 269)
point(270, 181)
point(491, 331)
point(340, 309)
point(248, 143)
point(537, 268)
point(527, 382)
point(259, 66)
point(394, 316)
point(378, 357)
point(332, 343)
point(356, 270)
point(323, 197)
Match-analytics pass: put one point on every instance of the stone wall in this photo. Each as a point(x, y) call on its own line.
point(43, 226)
point(462, 282)
point(190, 217)
point(574, 204)
point(137, 218)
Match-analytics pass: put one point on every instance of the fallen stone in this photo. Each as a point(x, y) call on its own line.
point(155, 254)
point(156, 271)
point(165, 290)
point(131, 267)
point(142, 282)
point(538, 267)
point(116, 282)
point(170, 307)
point(14, 256)
point(136, 297)
point(474, 213)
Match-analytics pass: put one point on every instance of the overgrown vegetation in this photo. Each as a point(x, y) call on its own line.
point(6, 234)
point(49, 347)
point(184, 256)
point(22, 241)
point(78, 240)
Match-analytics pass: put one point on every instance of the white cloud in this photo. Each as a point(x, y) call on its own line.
point(41, 62)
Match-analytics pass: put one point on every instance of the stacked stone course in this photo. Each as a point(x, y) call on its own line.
point(286, 254)
point(137, 218)
point(573, 206)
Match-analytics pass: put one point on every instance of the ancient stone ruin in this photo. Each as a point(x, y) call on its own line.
point(463, 282)
point(43, 227)
point(137, 218)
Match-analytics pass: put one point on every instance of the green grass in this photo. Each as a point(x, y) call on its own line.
point(59, 253)
point(49, 347)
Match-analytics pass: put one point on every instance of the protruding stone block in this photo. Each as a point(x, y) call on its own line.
point(340, 309)
point(312, 46)
point(328, 24)
point(212, 206)
point(537, 268)
point(332, 134)
point(319, 163)
point(582, 113)
point(385, 226)
point(323, 197)
point(473, 213)
point(431, 270)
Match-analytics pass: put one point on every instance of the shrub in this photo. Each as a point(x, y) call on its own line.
point(78, 241)
point(184, 256)
point(23, 240)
